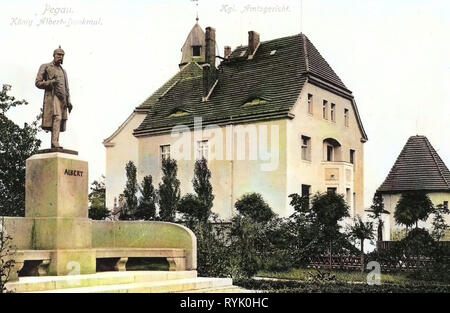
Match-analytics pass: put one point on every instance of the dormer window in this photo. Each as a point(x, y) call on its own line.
point(196, 51)
point(178, 113)
point(255, 101)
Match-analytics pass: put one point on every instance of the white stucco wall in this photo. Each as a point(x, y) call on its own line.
point(313, 125)
point(231, 177)
point(121, 147)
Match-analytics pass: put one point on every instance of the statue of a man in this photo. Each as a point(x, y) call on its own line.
point(53, 79)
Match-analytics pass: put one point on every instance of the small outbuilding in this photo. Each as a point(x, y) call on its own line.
point(418, 168)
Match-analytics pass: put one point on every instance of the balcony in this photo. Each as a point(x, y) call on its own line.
point(338, 174)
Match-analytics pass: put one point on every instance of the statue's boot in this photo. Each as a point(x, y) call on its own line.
point(55, 131)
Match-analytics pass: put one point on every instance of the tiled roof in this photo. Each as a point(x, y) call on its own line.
point(418, 167)
point(276, 73)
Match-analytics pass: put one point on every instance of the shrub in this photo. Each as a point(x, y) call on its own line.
point(6, 256)
point(338, 287)
point(253, 206)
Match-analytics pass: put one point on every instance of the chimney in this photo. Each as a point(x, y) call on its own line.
point(253, 41)
point(210, 46)
point(209, 68)
point(227, 52)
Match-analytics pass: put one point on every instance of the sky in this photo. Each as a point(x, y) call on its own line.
point(393, 55)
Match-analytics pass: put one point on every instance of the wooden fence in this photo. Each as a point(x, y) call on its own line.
point(338, 262)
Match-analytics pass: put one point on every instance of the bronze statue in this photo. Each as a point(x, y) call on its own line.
point(53, 78)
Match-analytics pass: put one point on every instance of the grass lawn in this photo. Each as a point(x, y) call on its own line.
point(299, 281)
point(341, 276)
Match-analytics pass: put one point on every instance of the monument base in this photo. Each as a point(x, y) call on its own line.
point(72, 262)
point(61, 150)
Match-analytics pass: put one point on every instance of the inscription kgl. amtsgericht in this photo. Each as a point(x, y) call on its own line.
point(73, 172)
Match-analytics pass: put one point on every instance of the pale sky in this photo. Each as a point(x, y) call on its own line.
point(393, 55)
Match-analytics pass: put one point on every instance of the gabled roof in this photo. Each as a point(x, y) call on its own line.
point(418, 167)
point(277, 73)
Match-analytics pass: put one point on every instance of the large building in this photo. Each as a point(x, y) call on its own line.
point(272, 117)
point(417, 168)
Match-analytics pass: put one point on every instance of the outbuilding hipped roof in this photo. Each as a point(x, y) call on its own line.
point(418, 167)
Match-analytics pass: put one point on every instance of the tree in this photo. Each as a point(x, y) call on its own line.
point(193, 209)
point(169, 190)
point(202, 186)
point(329, 208)
point(16, 145)
point(361, 231)
point(197, 208)
point(377, 209)
point(146, 209)
point(439, 224)
point(97, 199)
point(253, 205)
point(413, 207)
point(129, 193)
point(6, 256)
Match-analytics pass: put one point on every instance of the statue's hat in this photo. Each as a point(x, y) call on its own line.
point(58, 50)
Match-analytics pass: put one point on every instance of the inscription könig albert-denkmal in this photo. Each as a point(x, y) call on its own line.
point(73, 172)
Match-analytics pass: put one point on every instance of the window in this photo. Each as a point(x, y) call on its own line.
point(331, 189)
point(325, 109)
point(310, 103)
point(255, 101)
point(202, 149)
point(165, 152)
point(196, 51)
point(333, 114)
point(354, 201)
point(352, 156)
point(306, 191)
point(346, 117)
point(347, 195)
point(306, 148)
point(329, 153)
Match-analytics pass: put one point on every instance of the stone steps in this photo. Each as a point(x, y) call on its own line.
point(124, 282)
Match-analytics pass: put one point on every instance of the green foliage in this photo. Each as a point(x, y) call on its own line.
point(193, 209)
point(377, 206)
point(169, 190)
point(439, 224)
point(16, 145)
point(202, 186)
point(129, 210)
point(214, 257)
point(377, 209)
point(253, 206)
point(251, 245)
point(322, 276)
point(97, 196)
point(361, 230)
point(413, 206)
point(247, 242)
point(6, 256)
point(146, 209)
point(294, 286)
point(329, 209)
point(197, 208)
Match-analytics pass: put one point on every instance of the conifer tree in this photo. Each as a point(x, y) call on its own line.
point(169, 190)
point(146, 209)
point(129, 193)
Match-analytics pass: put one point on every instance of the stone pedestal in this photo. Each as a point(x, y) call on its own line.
point(57, 190)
